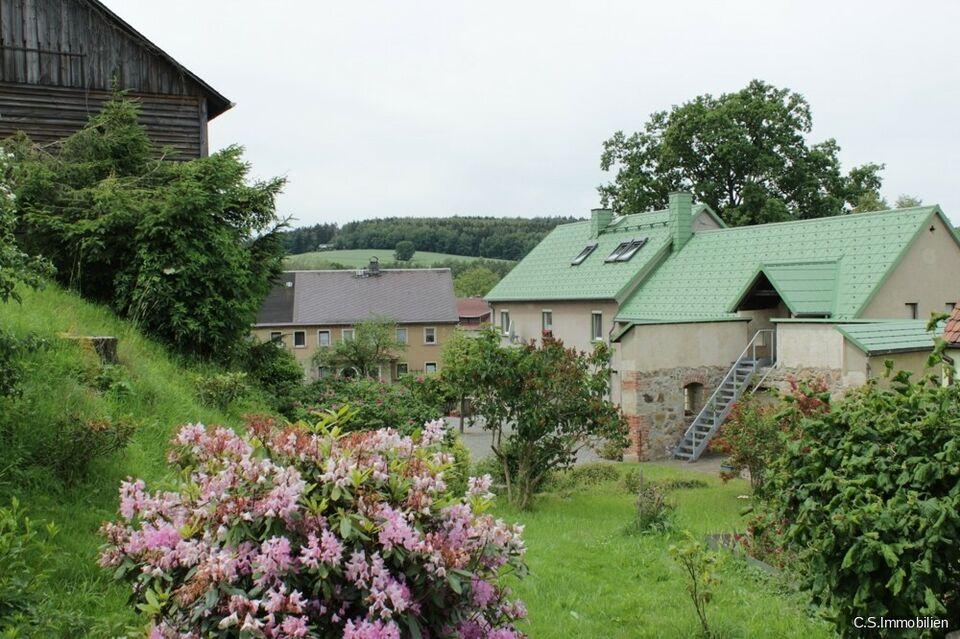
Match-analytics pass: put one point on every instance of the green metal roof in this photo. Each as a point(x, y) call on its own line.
point(884, 338)
point(706, 278)
point(546, 273)
point(807, 288)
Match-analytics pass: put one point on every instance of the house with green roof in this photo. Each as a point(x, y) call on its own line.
point(700, 311)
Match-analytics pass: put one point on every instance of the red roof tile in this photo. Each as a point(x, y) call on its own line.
point(472, 307)
point(951, 332)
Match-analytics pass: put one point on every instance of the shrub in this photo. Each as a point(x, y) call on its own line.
point(12, 350)
point(275, 370)
point(221, 390)
point(653, 512)
point(306, 531)
point(633, 481)
point(458, 475)
point(112, 379)
point(868, 494)
point(24, 552)
point(584, 475)
point(700, 570)
point(77, 442)
point(682, 484)
point(751, 438)
point(611, 450)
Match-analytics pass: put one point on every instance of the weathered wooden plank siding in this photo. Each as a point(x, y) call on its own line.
point(60, 59)
point(48, 114)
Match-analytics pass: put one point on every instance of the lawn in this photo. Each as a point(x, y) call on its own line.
point(588, 578)
point(356, 258)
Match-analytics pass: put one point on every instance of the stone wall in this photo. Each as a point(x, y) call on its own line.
point(653, 405)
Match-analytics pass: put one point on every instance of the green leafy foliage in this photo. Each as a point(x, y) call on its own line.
point(653, 512)
point(743, 153)
point(275, 371)
point(869, 496)
point(582, 476)
point(12, 351)
point(199, 244)
point(374, 345)
point(700, 567)
point(541, 401)
point(502, 238)
point(404, 251)
point(308, 238)
point(475, 282)
point(15, 265)
point(219, 390)
point(25, 549)
point(76, 443)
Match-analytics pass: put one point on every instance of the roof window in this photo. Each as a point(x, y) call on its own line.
point(584, 254)
point(626, 250)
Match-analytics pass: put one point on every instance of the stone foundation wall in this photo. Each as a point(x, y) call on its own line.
point(653, 405)
point(838, 383)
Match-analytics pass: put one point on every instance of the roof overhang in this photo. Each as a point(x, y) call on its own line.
point(807, 288)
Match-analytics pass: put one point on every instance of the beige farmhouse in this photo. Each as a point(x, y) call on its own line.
point(698, 312)
point(311, 310)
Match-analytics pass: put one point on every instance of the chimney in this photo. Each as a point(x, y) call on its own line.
point(374, 268)
point(599, 220)
point(681, 218)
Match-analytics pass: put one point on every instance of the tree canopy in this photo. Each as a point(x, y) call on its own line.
point(475, 282)
point(404, 251)
point(374, 344)
point(744, 153)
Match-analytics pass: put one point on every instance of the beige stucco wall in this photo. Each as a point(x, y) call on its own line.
point(929, 274)
point(809, 346)
point(704, 222)
point(916, 363)
point(571, 320)
point(652, 347)
point(416, 355)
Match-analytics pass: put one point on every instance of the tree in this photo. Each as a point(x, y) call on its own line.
point(541, 401)
point(475, 282)
point(186, 249)
point(907, 201)
point(404, 251)
point(15, 265)
point(374, 344)
point(744, 153)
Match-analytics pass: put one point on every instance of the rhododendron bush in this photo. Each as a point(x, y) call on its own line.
point(307, 531)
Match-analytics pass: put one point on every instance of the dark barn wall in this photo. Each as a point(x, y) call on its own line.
point(62, 58)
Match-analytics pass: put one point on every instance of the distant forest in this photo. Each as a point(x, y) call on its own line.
point(493, 237)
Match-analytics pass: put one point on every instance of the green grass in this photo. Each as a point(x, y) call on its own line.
point(162, 398)
point(355, 258)
point(589, 578)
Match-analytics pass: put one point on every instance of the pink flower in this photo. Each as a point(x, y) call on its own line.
point(360, 629)
point(295, 626)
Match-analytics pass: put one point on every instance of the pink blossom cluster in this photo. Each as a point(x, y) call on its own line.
point(299, 531)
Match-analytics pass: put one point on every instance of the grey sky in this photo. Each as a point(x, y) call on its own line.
point(375, 108)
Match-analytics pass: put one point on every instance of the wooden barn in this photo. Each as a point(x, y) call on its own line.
point(61, 59)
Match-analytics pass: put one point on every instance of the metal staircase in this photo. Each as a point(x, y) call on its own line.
point(760, 352)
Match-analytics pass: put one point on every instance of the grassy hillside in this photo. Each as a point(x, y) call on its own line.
point(355, 258)
point(82, 598)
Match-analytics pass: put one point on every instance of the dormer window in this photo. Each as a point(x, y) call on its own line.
point(584, 254)
point(626, 250)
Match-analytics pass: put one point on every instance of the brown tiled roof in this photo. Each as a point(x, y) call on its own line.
point(472, 307)
point(406, 296)
point(951, 332)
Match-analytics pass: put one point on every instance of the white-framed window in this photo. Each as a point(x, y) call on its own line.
point(596, 326)
point(430, 367)
point(913, 310)
point(402, 335)
point(546, 320)
point(323, 338)
point(347, 335)
point(276, 336)
point(402, 368)
point(429, 334)
point(505, 321)
point(299, 339)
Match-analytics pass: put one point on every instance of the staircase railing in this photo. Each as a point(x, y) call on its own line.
point(716, 408)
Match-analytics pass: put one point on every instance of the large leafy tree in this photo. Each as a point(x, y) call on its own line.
point(475, 282)
point(374, 344)
point(541, 401)
point(15, 265)
point(187, 249)
point(745, 154)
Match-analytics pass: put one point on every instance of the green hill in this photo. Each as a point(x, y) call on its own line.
point(158, 396)
point(355, 258)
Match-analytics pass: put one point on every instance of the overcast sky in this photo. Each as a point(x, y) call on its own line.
point(376, 108)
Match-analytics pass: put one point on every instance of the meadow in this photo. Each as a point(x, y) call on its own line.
point(356, 258)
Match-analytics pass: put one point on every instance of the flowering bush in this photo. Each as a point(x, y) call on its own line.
point(307, 531)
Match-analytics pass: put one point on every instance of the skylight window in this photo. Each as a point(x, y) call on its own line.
point(584, 254)
point(626, 250)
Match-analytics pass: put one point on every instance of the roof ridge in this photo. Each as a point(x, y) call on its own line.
point(825, 218)
point(357, 268)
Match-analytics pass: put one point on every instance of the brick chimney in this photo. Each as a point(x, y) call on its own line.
point(599, 220)
point(681, 218)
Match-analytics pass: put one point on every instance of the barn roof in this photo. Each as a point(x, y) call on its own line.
point(406, 296)
point(217, 103)
point(885, 338)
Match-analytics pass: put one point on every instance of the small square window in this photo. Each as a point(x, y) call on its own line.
point(299, 339)
point(402, 369)
point(584, 254)
point(323, 338)
point(276, 336)
point(402, 335)
point(347, 335)
point(596, 326)
point(430, 367)
point(429, 335)
point(913, 310)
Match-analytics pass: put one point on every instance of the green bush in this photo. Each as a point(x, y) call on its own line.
point(610, 450)
point(583, 476)
point(221, 389)
point(274, 370)
point(700, 570)
point(653, 512)
point(456, 478)
point(76, 443)
point(12, 350)
point(633, 481)
point(869, 494)
point(24, 552)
